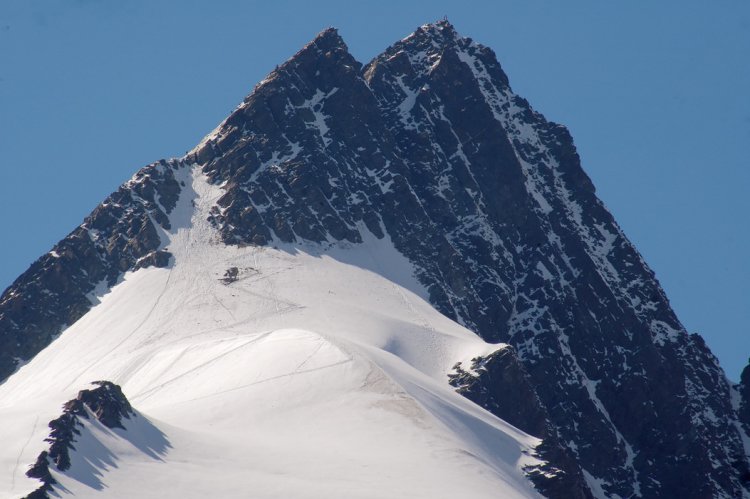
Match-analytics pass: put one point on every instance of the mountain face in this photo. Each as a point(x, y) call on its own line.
point(60, 287)
point(742, 399)
point(428, 147)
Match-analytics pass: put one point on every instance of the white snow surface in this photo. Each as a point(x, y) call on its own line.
point(320, 372)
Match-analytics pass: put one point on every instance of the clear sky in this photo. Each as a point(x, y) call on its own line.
point(655, 95)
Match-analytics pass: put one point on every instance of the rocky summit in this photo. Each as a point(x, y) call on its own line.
point(428, 147)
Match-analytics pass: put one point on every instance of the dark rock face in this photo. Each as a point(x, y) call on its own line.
point(428, 145)
point(743, 406)
point(108, 405)
point(499, 383)
point(40, 471)
point(282, 168)
point(742, 466)
point(121, 234)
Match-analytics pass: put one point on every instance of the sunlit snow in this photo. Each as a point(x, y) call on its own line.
point(319, 372)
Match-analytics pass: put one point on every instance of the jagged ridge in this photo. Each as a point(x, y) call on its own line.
point(106, 403)
point(121, 234)
point(489, 200)
point(429, 144)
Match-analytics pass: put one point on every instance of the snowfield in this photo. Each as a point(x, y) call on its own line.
point(319, 371)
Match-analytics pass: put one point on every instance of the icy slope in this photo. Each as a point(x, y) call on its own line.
point(318, 371)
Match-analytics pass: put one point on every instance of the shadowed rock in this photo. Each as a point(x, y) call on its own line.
point(429, 144)
point(499, 383)
point(106, 403)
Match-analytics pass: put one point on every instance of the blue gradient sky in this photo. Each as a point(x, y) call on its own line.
point(654, 93)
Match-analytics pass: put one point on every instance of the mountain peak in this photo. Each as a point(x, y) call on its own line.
point(346, 211)
point(438, 35)
point(430, 46)
point(325, 54)
point(326, 40)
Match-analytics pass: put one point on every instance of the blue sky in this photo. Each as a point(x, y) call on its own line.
point(654, 93)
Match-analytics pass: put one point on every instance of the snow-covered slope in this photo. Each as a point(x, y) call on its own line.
point(318, 371)
point(299, 256)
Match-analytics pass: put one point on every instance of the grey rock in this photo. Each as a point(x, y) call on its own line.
point(429, 145)
point(499, 383)
point(121, 234)
point(108, 405)
point(488, 199)
point(744, 392)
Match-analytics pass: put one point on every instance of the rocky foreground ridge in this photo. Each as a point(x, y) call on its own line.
point(106, 404)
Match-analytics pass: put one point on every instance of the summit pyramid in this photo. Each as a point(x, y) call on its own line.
point(381, 280)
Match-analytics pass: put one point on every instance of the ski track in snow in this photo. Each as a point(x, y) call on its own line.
point(18, 459)
point(317, 346)
point(135, 330)
point(143, 395)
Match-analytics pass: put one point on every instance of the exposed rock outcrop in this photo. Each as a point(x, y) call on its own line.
point(121, 234)
point(487, 198)
point(499, 383)
point(106, 403)
point(429, 144)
